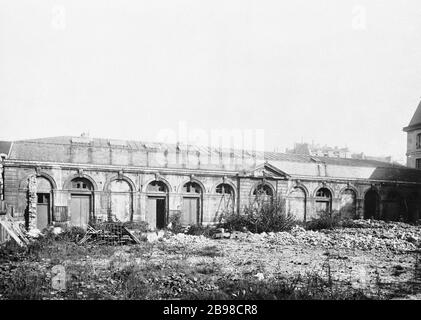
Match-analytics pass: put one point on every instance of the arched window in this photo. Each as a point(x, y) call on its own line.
point(156, 186)
point(263, 190)
point(297, 204)
point(81, 184)
point(323, 193)
point(323, 200)
point(262, 194)
point(225, 200)
point(192, 187)
point(224, 188)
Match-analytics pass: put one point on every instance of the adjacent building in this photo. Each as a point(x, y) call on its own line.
point(413, 145)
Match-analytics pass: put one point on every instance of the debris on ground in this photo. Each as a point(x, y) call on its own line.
point(112, 233)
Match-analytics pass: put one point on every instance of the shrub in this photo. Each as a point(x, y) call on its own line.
point(261, 216)
point(324, 220)
point(199, 230)
point(11, 251)
point(175, 223)
point(309, 287)
point(24, 283)
point(71, 234)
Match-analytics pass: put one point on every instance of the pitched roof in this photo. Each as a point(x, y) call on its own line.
point(5, 147)
point(416, 118)
point(83, 150)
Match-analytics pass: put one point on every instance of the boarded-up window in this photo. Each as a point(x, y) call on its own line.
point(121, 200)
point(348, 204)
point(323, 200)
point(297, 204)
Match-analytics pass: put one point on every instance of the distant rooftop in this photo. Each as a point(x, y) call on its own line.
point(333, 152)
point(416, 119)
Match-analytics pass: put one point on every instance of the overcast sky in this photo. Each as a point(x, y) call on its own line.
point(333, 72)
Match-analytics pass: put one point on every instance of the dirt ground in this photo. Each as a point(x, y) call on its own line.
point(195, 267)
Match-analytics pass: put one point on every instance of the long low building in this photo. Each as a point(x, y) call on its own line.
point(75, 180)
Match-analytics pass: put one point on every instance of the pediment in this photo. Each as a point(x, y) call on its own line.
point(267, 170)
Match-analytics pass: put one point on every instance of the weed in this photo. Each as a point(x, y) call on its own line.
point(24, 283)
point(325, 220)
point(261, 216)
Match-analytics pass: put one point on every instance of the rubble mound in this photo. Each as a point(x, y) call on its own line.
point(363, 235)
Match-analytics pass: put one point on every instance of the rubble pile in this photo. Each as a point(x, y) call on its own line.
point(365, 235)
point(183, 239)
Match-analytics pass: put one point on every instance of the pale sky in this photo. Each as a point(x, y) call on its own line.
point(334, 72)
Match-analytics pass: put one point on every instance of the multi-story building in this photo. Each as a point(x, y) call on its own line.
point(413, 145)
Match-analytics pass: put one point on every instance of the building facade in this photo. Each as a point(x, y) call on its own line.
point(75, 180)
point(413, 145)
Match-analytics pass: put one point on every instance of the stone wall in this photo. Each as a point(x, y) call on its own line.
point(17, 188)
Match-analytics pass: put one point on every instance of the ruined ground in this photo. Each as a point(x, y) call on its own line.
point(372, 260)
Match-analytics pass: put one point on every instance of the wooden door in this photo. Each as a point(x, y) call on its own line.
point(151, 212)
point(43, 210)
point(190, 211)
point(79, 210)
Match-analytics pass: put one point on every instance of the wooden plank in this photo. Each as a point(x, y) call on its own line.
point(85, 238)
point(135, 239)
point(7, 226)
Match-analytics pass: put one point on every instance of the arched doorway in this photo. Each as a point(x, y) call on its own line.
point(225, 199)
point(44, 202)
point(323, 201)
point(394, 207)
point(192, 203)
point(120, 200)
point(156, 204)
point(371, 204)
point(348, 204)
point(297, 204)
point(81, 202)
point(413, 207)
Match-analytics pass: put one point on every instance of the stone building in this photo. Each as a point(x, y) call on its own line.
point(413, 144)
point(74, 180)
